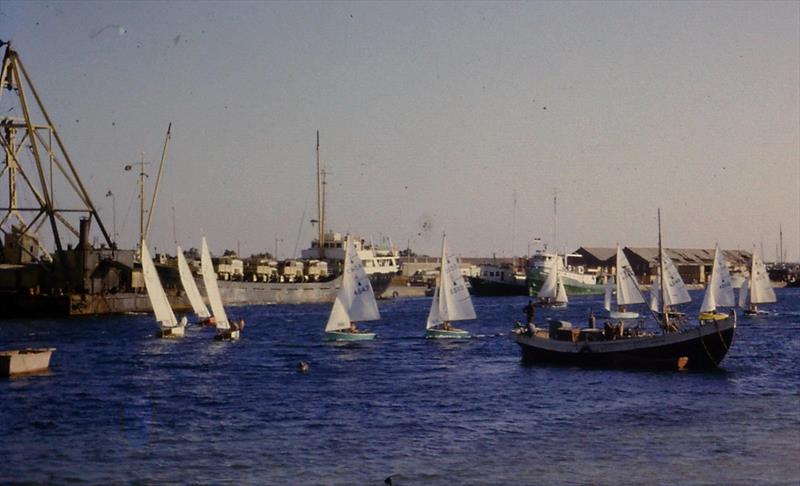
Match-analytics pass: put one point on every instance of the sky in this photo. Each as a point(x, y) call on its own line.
point(466, 118)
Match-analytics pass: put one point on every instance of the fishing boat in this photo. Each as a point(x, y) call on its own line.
point(757, 289)
point(719, 292)
point(577, 280)
point(190, 288)
point(451, 301)
point(168, 325)
point(226, 331)
point(498, 281)
point(553, 294)
point(625, 289)
point(24, 361)
point(676, 346)
point(354, 303)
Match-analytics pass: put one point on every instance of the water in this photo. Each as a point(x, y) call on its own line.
point(122, 406)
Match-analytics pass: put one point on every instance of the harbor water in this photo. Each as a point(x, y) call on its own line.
point(121, 406)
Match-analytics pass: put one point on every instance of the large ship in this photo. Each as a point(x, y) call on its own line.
point(301, 281)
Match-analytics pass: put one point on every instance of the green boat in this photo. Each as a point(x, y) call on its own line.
point(451, 301)
point(439, 333)
point(354, 302)
point(349, 336)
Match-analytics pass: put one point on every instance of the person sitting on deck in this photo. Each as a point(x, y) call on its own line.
point(446, 326)
point(353, 327)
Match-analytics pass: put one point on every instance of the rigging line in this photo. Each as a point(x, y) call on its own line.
point(300, 230)
point(134, 196)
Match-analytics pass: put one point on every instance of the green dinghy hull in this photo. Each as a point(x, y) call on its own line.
point(349, 336)
point(435, 333)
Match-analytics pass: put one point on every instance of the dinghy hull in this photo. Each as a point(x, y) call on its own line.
point(24, 361)
point(172, 332)
point(434, 333)
point(349, 336)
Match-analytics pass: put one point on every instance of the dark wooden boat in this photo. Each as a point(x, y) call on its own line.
point(696, 348)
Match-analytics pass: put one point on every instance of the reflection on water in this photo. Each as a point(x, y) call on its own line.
point(122, 406)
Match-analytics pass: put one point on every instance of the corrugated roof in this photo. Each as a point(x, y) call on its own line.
point(599, 253)
point(689, 256)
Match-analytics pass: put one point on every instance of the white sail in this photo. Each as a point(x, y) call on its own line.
point(760, 287)
point(675, 290)
point(451, 300)
point(355, 300)
point(719, 292)
point(549, 288)
point(655, 295)
point(561, 294)
point(190, 287)
point(212, 290)
point(627, 289)
point(607, 295)
point(743, 291)
point(158, 299)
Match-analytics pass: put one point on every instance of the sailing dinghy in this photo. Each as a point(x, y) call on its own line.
point(225, 330)
point(169, 326)
point(553, 294)
point(451, 301)
point(354, 303)
point(719, 292)
point(627, 290)
point(190, 287)
point(757, 289)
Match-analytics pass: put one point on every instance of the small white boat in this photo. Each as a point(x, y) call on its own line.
point(225, 330)
point(451, 301)
point(719, 292)
point(757, 289)
point(553, 294)
point(23, 361)
point(354, 303)
point(168, 325)
point(627, 291)
point(190, 287)
point(664, 298)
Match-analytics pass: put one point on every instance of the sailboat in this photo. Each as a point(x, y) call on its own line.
point(719, 292)
point(451, 300)
point(168, 325)
point(553, 294)
point(225, 330)
point(757, 289)
point(664, 297)
point(675, 347)
point(190, 287)
point(355, 301)
point(627, 290)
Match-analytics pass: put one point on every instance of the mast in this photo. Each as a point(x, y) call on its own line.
point(142, 175)
point(661, 272)
point(555, 220)
point(146, 233)
point(320, 205)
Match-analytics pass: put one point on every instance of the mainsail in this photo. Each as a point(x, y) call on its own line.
point(719, 292)
point(549, 288)
point(158, 299)
point(451, 300)
point(190, 287)
point(627, 289)
point(675, 291)
point(355, 301)
point(212, 290)
point(760, 287)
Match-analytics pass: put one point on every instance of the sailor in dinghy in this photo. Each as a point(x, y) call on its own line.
point(169, 326)
point(355, 301)
point(451, 300)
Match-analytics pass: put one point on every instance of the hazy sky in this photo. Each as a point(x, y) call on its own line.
point(457, 117)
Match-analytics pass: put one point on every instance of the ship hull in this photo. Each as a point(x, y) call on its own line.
point(580, 285)
point(699, 348)
point(487, 288)
point(258, 293)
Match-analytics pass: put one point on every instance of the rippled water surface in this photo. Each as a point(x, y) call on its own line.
point(122, 406)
